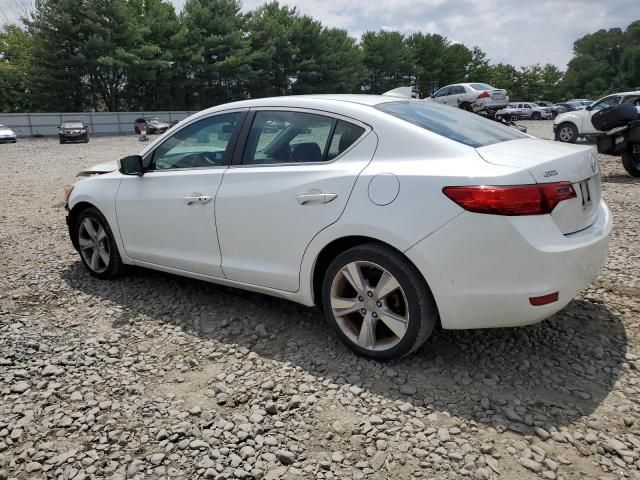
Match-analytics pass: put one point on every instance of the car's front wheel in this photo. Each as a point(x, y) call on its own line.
point(96, 245)
point(567, 133)
point(378, 302)
point(536, 116)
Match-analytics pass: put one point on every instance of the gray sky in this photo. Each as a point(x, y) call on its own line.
point(520, 32)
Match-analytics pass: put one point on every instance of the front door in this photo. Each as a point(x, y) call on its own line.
point(587, 126)
point(292, 180)
point(167, 217)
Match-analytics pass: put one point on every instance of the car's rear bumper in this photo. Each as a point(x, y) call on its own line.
point(483, 269)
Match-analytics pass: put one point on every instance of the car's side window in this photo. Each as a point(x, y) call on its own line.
point(456, 90)
point(442, 92)
point(201, 144)
point(606, 102)
point(287, 137)
point(344, 136)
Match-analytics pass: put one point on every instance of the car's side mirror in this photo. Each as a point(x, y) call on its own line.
point(131, 165)
point(589, 107)
point(433, 96)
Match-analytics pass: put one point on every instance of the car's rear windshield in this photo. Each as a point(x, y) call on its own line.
point(481, 86)
point(453, 123)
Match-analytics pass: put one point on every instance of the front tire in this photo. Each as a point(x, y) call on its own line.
point(631, 162)
point(567, 133)
point(377, 302)
point(96, 245)
point(536, 116)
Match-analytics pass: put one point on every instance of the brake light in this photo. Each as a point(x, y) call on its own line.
point(484, 94)
point(511, 200)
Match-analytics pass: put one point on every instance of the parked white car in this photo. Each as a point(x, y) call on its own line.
point(7, 135)
point(570, 126)
point(392, 215)
point(473, 97)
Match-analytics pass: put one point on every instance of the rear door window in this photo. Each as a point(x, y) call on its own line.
point(453, 123)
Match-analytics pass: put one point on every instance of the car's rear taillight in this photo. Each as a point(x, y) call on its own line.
point(537, 199)
point(484, 95)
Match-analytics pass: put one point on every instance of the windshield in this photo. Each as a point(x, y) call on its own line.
point(72, 125)
point(481, 86)
point(453, 123)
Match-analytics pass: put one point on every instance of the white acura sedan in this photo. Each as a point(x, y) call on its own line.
point(391, 215)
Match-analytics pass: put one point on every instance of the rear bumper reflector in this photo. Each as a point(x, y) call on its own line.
point(544, 299)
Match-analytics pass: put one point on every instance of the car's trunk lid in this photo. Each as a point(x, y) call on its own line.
point(549, 162)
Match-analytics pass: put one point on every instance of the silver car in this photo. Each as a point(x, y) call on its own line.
point(7, 135)
point(527, 110)
point(473, 97)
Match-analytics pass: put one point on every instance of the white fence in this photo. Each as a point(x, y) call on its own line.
point(99, 123)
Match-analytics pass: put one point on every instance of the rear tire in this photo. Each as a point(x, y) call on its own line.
point(631, 162)
point(378, 302)
point(466, 106)
point(567, 132)
point(536, 116)
point(96, 245)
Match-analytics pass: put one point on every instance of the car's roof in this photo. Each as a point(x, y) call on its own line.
point(331, 102)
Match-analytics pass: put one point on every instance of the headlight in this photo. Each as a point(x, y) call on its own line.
point(67, 193)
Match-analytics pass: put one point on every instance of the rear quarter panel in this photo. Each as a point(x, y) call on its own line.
point(423, 164)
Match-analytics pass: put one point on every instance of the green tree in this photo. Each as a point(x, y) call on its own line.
point(152, 81)
point(387, 57)
point(15, 69)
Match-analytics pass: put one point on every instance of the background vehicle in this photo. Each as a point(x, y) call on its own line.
point(581, 101)
point(7, 135)
point(563, 107)
point(550, 106)
point(329, 210)
point(570, 126)
point(528, 110)
point(473, 97)
point(154, 125)
point(73, 131)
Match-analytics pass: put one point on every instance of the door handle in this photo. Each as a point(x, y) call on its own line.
point(305, 198)
point(195, 198)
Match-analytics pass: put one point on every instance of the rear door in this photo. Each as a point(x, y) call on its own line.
point(292, 178)
point(456, 94)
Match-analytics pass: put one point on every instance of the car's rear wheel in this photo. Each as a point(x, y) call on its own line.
point(97, 247)
point(536, 116)
point(631, 162)
point(567, 133)
point(466, 106)
point(377, 302)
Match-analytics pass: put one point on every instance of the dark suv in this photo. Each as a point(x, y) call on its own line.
point(73, 131)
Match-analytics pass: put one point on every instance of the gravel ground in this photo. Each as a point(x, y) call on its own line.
point(156, 376)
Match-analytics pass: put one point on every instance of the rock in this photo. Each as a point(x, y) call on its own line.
point(337, 457)
point(285, 457)
point(33, 467)
point(375, 420)
point(198, 444)
point(20, 387)
point(156, 458)
point(542, 433)
point(295, 401)
point(443, 435)
point(408, 389)
point(530, 464)
point(76, 396)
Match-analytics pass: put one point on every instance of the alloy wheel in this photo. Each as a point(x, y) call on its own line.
point(566, 134)
point(369, 305)
point(94, 245)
